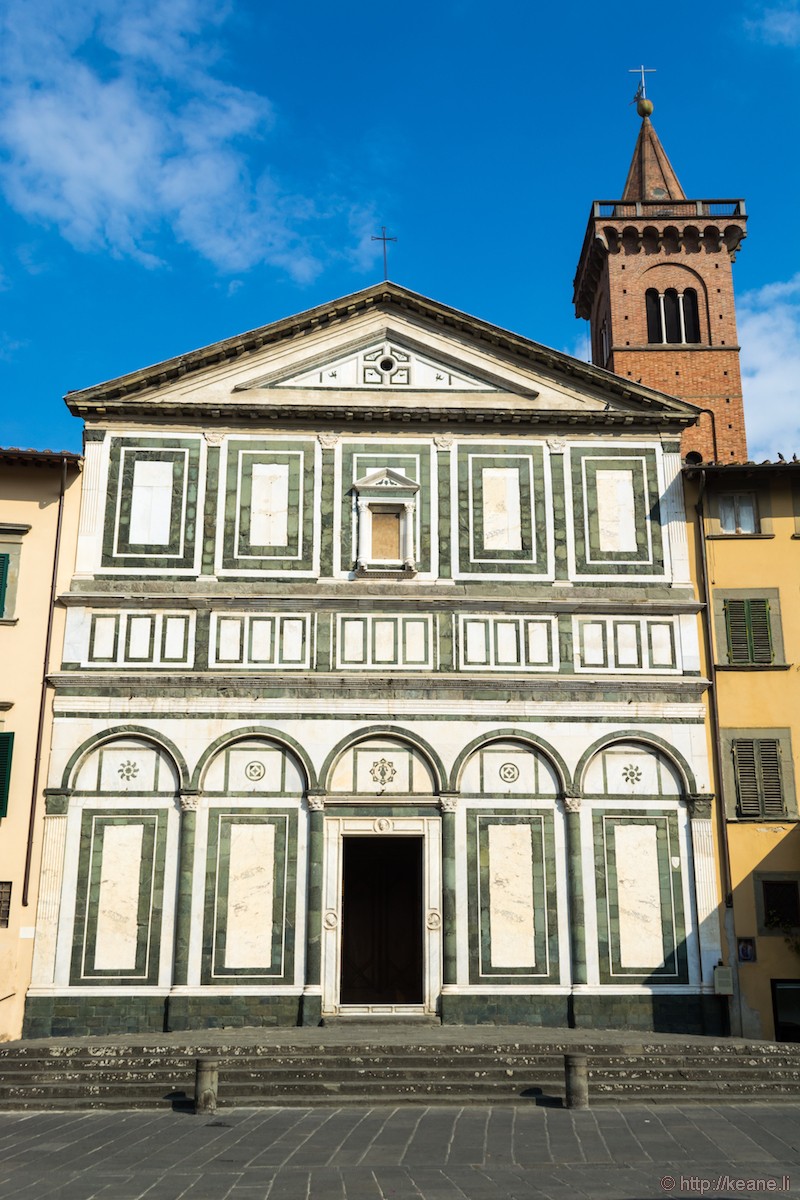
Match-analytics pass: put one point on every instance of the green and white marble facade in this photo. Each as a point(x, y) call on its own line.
point(245, 685)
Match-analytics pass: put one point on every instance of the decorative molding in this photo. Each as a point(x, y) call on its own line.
point(382, 825)
point(434, 920)
point(699, 805)
point(189, 801)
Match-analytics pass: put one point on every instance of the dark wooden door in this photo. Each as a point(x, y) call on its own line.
point(382, 921)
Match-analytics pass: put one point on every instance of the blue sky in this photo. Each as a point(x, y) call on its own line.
point(174, 173)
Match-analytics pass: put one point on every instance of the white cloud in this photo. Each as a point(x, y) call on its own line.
point(115, 129)
point(769, 334)
point(778, 25)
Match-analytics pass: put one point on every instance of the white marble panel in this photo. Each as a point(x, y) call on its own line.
point(383, 769)
point(475, 639)
point(502, 508)
point(229, 639)
point(353, 640)
point(261, 639)
point(292, 630)
point(627, 638)
point(248, 929)
point(76, 635)
point(511, 920)
point(662, 653)
point(616, 510)
point(118, 898)
point(593, 643)
point(507, 643)
point(151, 502)
point(539, 650)
point(127, 769)
point(175, 630)
point(641, 941)
point(103, 636)
point(139, 640)
point(415, 641)
point(255, 769)
point(269, 505)
point(384, 640)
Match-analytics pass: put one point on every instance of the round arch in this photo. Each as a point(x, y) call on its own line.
point(651, 740)
point(265, 734)
point(92, 743)
point(508, 735)
point(434, 762)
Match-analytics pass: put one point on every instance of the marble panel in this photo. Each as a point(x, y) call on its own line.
point(641, 941)
point(502, 508)
point(248, 928)
point(616, 511)
point(662, 650)
point(261, 639)
point(151, 502)
point(269, 505)
point(118, 898)
point(104, 634)
point(511, 919)
point(229, 635)
point(628, 649)
point(175, 631)
point(292, 631)
point(538, 635)
point(140, 631)
point(415, 641)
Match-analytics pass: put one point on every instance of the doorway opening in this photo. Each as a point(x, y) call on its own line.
point(382, 936)
point(786, 1009)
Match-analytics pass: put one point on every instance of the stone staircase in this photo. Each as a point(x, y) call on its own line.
point(450, 1070)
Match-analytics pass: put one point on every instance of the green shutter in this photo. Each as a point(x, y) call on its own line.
point(4, 561)
point(757, 767)
point(6, 748)
point(748, 630)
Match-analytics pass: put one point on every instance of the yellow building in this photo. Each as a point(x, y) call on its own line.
point(749, 568)
point(39, 494)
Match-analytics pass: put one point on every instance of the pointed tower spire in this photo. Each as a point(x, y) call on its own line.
point(654, 280)
point(651, 176)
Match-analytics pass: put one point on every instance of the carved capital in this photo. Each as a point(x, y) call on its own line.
point(572, 804)
point(328, 440)
point(443, 441)
point(448, 803)
point(213, 438)
point(316, 803)
point(699, 805)
point(56, 803)
point(189, 800)
point(556, 445)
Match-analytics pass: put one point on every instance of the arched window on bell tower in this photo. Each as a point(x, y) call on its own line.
point(672, 317)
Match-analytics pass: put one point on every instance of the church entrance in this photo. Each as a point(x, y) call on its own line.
point(382, 921)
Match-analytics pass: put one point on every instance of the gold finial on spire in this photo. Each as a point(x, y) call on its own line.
point(644, 107)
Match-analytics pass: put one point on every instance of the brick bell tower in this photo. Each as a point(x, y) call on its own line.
point(655, 282)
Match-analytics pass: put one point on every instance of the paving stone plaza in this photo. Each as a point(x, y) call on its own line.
point(408, 1153)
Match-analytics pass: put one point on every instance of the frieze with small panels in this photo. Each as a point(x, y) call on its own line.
point(469, 643)
point(281, 506)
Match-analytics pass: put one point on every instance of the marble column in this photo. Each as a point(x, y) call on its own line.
point(449, 806)
point(577, 932)
point(312, 998)
point(189, 801)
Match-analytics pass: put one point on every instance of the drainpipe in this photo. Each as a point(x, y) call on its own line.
point(716, 743)
point(43, 699)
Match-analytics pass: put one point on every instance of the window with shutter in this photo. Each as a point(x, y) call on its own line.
point(757, 770)
point(747, 623)
point(4, 561)
point(6, 749)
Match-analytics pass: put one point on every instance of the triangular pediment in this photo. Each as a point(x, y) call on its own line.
point(386, 480)
point(383, 355)
point(388, 364)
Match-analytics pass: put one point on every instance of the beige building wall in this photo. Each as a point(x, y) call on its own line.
point(759, 700)
point(31, 485)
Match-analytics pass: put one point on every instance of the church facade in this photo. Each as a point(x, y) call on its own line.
point(381, 691)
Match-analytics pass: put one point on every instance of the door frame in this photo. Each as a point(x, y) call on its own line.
point(335, 830)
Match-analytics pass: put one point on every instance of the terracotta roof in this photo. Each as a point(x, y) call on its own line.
point(651, 176)
point(13, 454)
